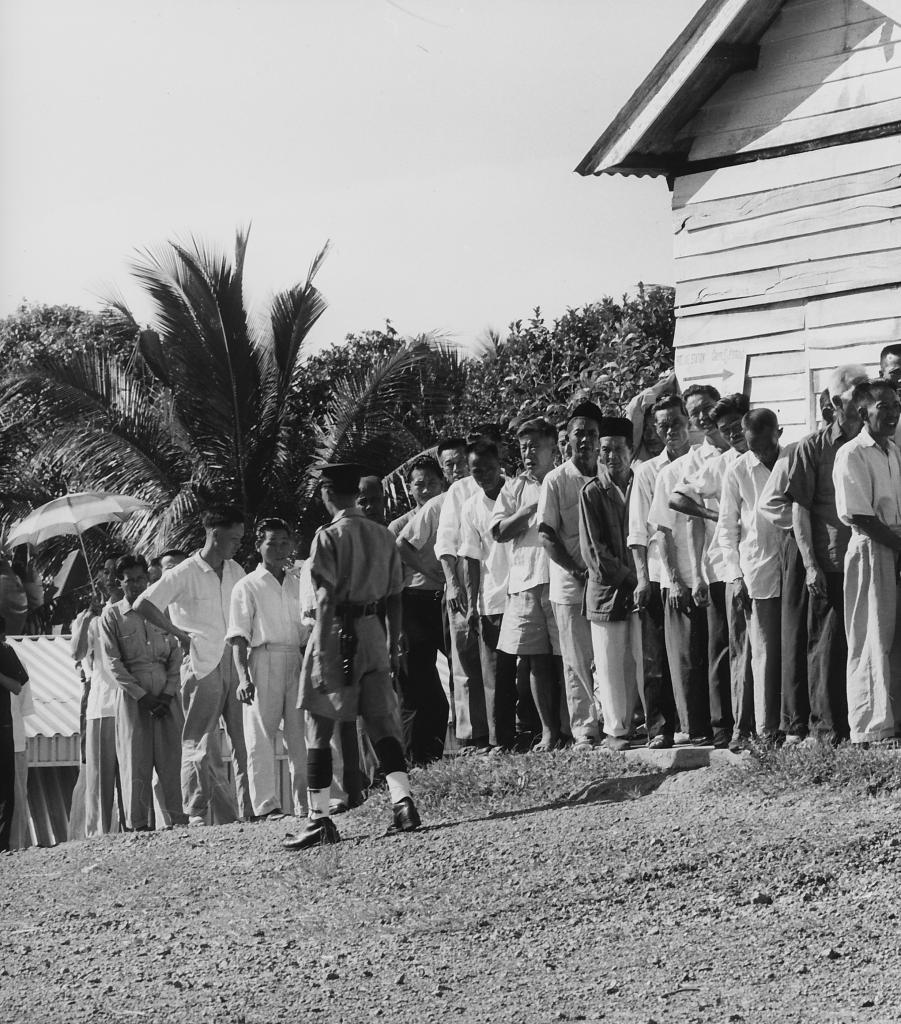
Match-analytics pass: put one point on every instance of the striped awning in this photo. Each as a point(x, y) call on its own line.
point(55, 685)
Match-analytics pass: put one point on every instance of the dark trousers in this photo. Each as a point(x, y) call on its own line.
point(424, 706)
point(656, 691)
point(499, 679)
point(685, 633)
point(7, 783)
point(795, 611)
point(719, 677)
point(740, 667)
point(827, 658)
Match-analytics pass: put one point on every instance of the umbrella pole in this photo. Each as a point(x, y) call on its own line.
point(86, 562)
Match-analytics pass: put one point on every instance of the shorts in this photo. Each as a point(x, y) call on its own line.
point(324, 690)
point(529, 626)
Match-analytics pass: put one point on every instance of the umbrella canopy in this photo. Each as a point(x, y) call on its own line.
point(72, 514)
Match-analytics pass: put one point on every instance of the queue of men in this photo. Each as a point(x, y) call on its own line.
point(721, 588)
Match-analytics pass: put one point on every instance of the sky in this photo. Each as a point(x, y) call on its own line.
point(433, 143)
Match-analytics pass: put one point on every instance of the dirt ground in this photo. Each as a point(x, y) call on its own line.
point(646, 899)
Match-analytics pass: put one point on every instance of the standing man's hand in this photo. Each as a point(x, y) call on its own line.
point(147, 702)
point(816, 581)
point(456, 599)
point(643, 595)
point(246, 691)
point(184, 641)
point(679, 597)
point(701, 594)
point(394, 658)
point(740, 595)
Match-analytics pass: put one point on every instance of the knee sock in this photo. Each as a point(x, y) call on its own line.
point(392, 763)
point(319, 781)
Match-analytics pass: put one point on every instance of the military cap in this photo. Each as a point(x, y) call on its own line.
point(344, 477)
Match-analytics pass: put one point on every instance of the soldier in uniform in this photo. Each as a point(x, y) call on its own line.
point(351, 656)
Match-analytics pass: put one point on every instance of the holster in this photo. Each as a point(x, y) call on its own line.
point(347, 645)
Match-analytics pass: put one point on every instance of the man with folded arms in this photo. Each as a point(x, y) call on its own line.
point(197, 593)
point(144, 663)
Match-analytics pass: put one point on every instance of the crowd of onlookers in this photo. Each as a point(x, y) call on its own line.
point(676, 575)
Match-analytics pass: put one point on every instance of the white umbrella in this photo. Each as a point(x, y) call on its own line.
point(72, 514)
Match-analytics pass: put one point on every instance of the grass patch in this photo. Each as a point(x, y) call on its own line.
point(842, 769)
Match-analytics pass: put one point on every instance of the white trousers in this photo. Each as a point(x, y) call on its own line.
point(275, 671)
point(618, 671)
point(575, 647)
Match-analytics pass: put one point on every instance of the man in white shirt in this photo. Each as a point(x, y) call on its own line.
point(470, 716)
point(752, 549)
point(529, 628)
point(100, 720)
point(867, 477)
point(485, 572)
point(198, 595)
point(684, 620)
point(558, 526)
point(267, 632)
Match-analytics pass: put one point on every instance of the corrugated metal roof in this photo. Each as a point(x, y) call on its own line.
point(55, 685)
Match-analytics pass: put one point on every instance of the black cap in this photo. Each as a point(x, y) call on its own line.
point(586, 410)
point(344, 477)
point(616, 426)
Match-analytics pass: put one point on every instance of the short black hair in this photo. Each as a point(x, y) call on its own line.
point(665, 402)
point(449, 443)
point(700, 389)
point(173, 553)
point(891, 350)
point(863, 392)
point(222, 515)
point(127, 562)
point(155, 563)
point(736, 404)
point(756, 419)
point(425, 464)
point(540, 427)
point(483, 447)
point(270, 525)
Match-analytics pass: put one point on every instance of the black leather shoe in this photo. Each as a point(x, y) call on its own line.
point(406, 817)
point(318, 832)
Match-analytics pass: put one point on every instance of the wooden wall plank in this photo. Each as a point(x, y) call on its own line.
point(775, 319)
point(786, 133)
point(872, 304)
point(816, 247)
point(774, 364)
point(820, 277)
point(786, 171)
point(790, 412)
point(825, 360)
point(699, 216)
point(852, 212)
point(840, 336)
point(781, 388)
point(831, 42)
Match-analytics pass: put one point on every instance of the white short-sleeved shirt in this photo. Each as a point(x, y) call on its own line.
point(264, 611)
point(527, 559)
point(662, 516)
point(420, 532)
point(702, 480)
point(199, 603)
point(752, 545)
point(447, 537)
point(558, 509)
point(476, 542)
point(868, 480)
point(102, 696)
point(640, 501)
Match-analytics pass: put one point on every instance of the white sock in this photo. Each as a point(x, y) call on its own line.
point(318, 800)
point(398, 785)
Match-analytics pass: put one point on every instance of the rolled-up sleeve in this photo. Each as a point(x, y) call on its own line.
point(162, 593)
point(242, 612)
point(421, 527)
point(470, 540)
point(728, 530)
point(775, 504)
point(549, 515)
point(640, 507)
point(447, 536)
point(802, 473)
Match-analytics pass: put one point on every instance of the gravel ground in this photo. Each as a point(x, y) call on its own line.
point(681, 898)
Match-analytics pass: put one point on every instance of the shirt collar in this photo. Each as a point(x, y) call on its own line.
point(348, 513)
point(755, 461)
point(123, 606)
point(202, 562)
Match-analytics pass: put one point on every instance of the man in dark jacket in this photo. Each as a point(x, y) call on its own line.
point(609, 601)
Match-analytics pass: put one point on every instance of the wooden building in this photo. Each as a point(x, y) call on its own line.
point(777, 125)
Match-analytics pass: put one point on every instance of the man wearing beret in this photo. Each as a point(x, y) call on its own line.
point(351, 656)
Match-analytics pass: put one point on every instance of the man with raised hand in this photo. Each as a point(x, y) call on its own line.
point(610, 588)
point(352, 653)
point(752, 549)
point(867, 477)
point(144, 663)
point(197, 593)
point(684, 615)
point(529, 628)
point(558, 526)
point(822, 539)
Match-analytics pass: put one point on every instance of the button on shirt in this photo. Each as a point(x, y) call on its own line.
point(752, 545)
point(476, 542)
point(141, 658)
point(264, 611)
point(447, 539)
point(420, 533)
point(526, 557)
point(662, 516)
point(810, 485)
point(868, 480)
point(558, 509)
point(199, 603)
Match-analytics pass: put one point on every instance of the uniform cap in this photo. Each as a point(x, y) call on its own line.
point(615, 426)
point(343, 476)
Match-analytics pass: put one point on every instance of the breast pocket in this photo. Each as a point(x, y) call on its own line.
point(131, 643)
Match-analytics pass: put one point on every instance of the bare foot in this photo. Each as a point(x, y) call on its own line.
point(549, 741)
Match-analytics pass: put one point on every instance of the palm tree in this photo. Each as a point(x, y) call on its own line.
point(202, 409)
